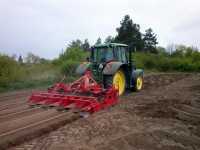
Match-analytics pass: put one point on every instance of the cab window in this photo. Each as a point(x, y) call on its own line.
point(102, 54)
point(120, 53)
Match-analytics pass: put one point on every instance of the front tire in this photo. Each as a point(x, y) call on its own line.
point(138, 85)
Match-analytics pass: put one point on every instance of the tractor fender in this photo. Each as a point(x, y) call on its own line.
point(80, 70)
point(137, 73)
point(111, 68)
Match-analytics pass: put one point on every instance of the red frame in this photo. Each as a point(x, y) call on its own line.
point(72, 95)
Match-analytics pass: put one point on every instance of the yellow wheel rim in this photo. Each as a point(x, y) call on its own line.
point(119, 81)
point(139, 83)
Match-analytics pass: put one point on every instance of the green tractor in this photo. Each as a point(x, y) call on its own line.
point(111, 64)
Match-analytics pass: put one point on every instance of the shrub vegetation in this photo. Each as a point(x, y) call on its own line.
point(17, 75)
point(70, 59)
point(186, 59)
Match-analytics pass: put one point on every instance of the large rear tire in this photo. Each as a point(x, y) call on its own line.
point(118, 80)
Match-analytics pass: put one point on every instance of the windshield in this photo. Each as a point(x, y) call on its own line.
point(102, 54)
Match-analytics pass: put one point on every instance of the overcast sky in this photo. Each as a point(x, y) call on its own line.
point(44, 27)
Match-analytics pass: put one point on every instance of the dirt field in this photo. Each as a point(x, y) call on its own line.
point(164, 116)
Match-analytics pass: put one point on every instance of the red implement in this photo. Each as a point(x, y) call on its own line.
point(85, 95)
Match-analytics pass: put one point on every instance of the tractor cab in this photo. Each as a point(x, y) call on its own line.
point(109, 52)
point(111, 65)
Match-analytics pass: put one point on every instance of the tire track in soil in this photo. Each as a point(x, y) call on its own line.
point(13, 105)
point(16, 116)
point(13, 101)
point(13, 110)
point(34, 129)
point(21, 113)
point(24, 120)
point(13, 97)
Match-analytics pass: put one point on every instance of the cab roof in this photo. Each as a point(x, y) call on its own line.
point(110, 45)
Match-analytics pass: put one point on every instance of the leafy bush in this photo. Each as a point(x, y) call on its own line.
point(14, 75)
point(73, 54)
point(69, 67)
point(185, 62)
point(70, 59)
point(10, 70)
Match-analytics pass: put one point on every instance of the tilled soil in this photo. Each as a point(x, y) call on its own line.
point(20, 122)
point(165, 115)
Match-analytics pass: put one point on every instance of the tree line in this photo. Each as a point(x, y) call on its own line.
point(127, 33)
